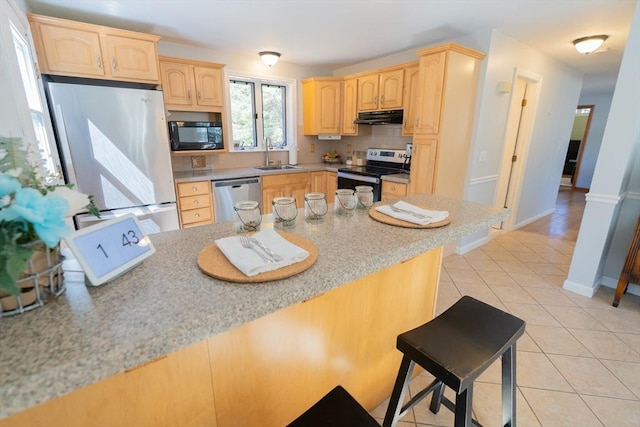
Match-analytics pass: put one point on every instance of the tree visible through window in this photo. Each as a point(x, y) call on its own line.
point(258, 111)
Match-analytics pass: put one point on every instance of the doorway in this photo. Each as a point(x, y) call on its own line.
point(522, 108)
point(577, 142)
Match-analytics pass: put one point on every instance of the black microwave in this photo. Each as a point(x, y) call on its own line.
point(196, 136)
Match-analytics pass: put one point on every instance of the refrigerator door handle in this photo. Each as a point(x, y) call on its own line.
point(66, 152)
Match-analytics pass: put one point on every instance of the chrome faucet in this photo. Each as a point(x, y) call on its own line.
point(267, 147)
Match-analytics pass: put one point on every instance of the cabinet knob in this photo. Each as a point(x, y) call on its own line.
point(393, 188)
point(195, 202)
point(113, 64)
point(189, 95)
point(197, 215)
point(99, 62)
point(194, 188)
point(199, 95)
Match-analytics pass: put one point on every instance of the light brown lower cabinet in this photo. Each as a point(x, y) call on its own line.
point(195, 203)
point(175, 390)
point(294, 185)
point(332, 186)
point(393, 190)
point(268, 371)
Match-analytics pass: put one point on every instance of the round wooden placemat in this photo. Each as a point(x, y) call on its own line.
point(386, 219)
point(214, 263)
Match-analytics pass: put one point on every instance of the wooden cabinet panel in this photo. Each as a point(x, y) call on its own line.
point(430, 91)
point(321, 106)
point(284, 185)
point(368, 92)
point(68, 50)
point(195, 203)
point(285, 374)
point(193, 188)
point(131, 58)
point(208, 85)
point(381, 91)
point(349, 107)
point(410, 98)
point(423, 165)
point(332, 186)
point(72, 48)
point(176, 83)
point(174, 391)
point(191, 85)
point(391, 90)
point(393, 190)
point(319, 182)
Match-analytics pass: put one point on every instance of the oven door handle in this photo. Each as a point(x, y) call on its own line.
point(371, 179)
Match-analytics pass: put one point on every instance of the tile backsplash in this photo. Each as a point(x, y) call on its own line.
point(379, 136)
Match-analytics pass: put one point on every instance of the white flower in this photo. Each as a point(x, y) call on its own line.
point(77, 201)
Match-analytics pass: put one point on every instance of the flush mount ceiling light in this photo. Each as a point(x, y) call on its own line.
point(589, 44)
point(269, 58)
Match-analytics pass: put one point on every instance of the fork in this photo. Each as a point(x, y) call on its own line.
point(268, 251)
point(417, 215)
point(245, 242)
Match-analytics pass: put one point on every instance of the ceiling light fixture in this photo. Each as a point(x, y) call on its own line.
point(589, 44)
point(269, 58)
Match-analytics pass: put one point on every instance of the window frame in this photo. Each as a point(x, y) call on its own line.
point(291, 121)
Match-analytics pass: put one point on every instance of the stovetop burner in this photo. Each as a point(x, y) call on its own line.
point(372, 170)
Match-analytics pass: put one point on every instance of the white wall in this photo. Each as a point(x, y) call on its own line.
point(612, 204)
point(558, 97)
point(602, 104)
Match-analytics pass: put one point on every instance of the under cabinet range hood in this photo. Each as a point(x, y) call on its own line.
point(388, 117)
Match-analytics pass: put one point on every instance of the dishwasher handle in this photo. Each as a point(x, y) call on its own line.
point(236, 183)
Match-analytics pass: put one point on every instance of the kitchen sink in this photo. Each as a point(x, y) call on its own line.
point(276, 167)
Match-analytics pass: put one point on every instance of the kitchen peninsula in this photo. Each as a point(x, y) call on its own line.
point(168, 345)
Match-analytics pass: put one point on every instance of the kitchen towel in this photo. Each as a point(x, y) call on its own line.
point(409, 211)
point(250, 263)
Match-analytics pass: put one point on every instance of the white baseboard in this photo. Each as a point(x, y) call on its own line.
point(610, 282)
point(461, 250)
point(580, 289)
point(535, 218)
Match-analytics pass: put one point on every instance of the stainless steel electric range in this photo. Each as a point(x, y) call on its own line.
point(380, 162)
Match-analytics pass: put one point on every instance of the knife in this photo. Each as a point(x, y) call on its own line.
point(268, 251)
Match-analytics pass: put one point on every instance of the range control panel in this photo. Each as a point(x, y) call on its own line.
point(386, 155)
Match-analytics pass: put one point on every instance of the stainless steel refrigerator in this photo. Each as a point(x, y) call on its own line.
point(114, 144)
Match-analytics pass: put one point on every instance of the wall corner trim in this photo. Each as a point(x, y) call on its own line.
point(603, 198)
point(580, 289)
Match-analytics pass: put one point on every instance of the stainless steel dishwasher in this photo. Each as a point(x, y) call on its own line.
point(227, 193)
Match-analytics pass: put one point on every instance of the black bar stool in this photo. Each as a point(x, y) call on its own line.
point(456, 347)
point(336, 409)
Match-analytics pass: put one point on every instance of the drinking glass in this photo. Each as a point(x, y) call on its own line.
point(345, 202)
point(249, 217)
point(364, 194)
point(315, 207)
point(284, 210)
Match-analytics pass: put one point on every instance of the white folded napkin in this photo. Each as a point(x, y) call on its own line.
point(250, 263)
point(430, 216)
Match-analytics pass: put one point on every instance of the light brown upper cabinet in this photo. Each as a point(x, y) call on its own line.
point(349, 107)
point(381, 91)
point(321, 98)
point(70, 48)
point(191, 85)
point(410, 99)
point(447, 86)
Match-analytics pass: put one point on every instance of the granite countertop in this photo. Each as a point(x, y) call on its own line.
point(232, 173)
point(402, 178)
point(167, 303)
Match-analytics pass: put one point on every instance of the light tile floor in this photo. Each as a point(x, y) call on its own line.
point(578, 363)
